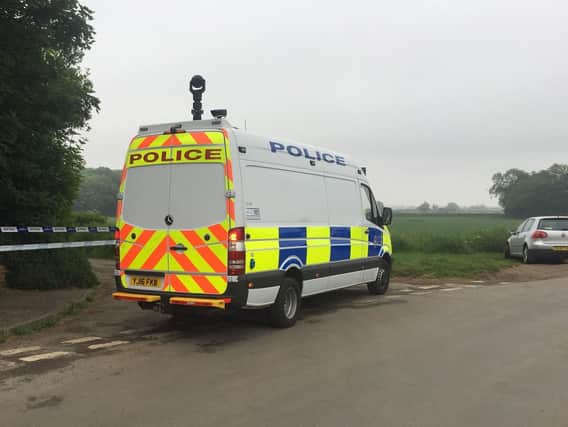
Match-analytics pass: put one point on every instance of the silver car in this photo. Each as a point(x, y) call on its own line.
point(538, 238)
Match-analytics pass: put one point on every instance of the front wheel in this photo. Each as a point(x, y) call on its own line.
point(284, 312)
point(381, 283)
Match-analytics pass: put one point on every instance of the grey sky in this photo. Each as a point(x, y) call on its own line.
point(433, 96)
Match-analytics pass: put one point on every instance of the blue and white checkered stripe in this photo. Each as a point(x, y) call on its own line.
point(21, 229)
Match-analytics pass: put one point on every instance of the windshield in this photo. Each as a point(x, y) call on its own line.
point(553, 224)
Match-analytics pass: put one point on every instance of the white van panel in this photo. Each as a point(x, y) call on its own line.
point(315, 286)
point(344, 280)
point(262, 297)
point(284, 197)
point(343, 202)
point(370, 275)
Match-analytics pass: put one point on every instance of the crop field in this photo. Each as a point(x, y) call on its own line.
point(450, 245)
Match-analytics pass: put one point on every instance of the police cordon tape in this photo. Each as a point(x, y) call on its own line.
point(55, 245)
point(21, 229)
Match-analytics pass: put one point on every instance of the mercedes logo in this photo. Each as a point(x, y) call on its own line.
point(169, 219)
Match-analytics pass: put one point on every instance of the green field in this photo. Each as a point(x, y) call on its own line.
point(450, 245)
point(425, 245)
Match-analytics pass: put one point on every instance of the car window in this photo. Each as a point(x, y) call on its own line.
point(528, 225)
point(520, 227)
point(553, 224)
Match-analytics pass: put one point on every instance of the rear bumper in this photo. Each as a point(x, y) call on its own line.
point(235, 296)
point(548, 253)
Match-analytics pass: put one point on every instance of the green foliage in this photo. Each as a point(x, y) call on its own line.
point(93, 219)
point(46, 100)
point(98, 191)
point(50, 269)
point(525, 194)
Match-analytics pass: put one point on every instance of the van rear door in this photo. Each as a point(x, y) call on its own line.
point(176, 196)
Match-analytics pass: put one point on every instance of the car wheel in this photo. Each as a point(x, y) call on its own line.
point(381, 283)
point(284, 312)
point(507, 252)
point(527, 257)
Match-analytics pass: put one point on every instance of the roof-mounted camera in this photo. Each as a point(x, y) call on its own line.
point(197, 87)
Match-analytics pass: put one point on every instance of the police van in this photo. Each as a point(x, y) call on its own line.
point(212, 216)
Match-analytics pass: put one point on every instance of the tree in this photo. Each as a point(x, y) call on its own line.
point(452, 207)
point(98, 191)
point(502, 183)
point(533, 194)
point(424, 207)
point(46, 100)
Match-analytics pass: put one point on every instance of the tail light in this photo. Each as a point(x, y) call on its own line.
point(539, 234)
point(237, 252)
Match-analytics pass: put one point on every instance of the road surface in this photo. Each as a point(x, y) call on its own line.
point(473, 355)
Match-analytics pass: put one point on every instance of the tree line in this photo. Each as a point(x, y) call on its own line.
point(523, 194)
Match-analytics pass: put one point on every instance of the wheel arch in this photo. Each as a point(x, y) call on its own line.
point(296, 274)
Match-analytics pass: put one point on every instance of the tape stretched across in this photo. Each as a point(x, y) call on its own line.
point(61, 245)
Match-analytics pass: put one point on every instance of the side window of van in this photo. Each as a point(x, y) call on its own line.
point(369, 205)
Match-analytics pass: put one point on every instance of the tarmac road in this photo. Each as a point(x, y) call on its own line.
point(474, 355)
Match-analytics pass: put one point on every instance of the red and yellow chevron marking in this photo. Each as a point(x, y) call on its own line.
point(196, 284)
point(171, 140)
point(201, 256)
point(147, 252)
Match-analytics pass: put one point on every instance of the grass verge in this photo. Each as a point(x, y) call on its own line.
point(50, 320)
point(438, 265)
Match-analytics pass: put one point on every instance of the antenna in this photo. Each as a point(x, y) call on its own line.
point(197, 87)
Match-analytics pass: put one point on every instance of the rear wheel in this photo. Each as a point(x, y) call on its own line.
point(381, 283)
point(528, 258)
point(507, 252)
point(284, 312)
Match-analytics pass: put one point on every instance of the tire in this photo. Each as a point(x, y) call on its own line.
point(381, 283)
point(528, 258)
point(507, 252)
point(284, 312)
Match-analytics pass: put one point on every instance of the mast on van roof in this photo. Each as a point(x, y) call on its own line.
point(197, 87)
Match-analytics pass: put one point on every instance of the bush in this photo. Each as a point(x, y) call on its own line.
point(93, 219)
point(49, 269)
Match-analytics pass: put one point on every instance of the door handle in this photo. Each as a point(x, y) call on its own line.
point(367, 231)
point(178, 247)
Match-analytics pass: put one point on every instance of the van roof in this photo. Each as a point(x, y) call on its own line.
point(248, 138)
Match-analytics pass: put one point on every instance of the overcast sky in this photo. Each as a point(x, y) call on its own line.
point(433, 96)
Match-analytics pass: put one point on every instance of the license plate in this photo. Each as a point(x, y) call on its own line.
point(145, 282)
point(560, 248)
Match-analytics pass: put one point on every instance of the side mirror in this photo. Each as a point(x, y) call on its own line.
point(513, 233)
point(387, 216)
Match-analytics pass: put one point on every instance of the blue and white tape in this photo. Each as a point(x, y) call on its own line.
point(21, 229)
point(58, 245)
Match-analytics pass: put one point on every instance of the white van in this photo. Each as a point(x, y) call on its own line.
point(211, 216)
